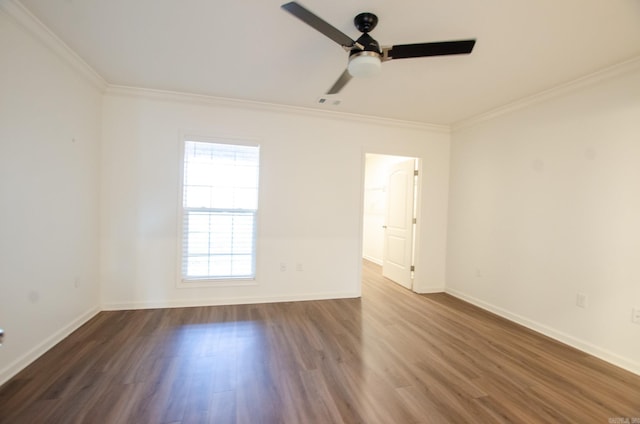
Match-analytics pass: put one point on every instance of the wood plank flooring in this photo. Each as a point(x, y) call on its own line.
point(390, 357)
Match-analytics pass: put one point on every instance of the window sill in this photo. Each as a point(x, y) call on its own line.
point(223, 282)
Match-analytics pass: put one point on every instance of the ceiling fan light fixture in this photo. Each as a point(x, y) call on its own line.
point(364, 64)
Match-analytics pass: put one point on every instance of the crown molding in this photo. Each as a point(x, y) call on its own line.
point(631, 65)
point(20, 14)
point(199, 99)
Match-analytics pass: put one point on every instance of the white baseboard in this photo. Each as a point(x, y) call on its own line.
point(613, 358)
point(428, 290)
point(187, 303)
point(21, 363)
point(372, 259)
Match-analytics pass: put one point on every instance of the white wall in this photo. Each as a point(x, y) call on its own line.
point(312, 168)
point(545, 203)
point(49, 134)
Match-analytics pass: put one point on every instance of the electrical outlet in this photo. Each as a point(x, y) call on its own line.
point(635, 315)
point(582, 300)
point(283, 267)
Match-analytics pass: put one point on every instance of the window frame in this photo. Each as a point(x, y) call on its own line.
point(209, 281)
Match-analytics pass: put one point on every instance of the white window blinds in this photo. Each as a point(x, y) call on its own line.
point(220, 204)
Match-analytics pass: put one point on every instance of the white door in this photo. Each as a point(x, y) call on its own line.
point(398, 235)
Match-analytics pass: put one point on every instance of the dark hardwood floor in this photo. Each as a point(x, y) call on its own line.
point(390, 357)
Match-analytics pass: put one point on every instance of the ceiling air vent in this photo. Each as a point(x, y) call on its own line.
point(329, 101)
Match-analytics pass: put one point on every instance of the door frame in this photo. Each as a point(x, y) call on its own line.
point(418, 209)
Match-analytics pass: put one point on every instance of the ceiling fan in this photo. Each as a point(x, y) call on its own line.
point(365, 54)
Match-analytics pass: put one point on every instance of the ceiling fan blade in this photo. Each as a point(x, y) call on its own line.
point(442, 48)
point(319, 24)
point(340, 83)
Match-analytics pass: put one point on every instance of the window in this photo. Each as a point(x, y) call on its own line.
point(219, 209)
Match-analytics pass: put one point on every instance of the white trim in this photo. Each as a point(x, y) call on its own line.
point(16, 10)
point(223, 301)
point(23, 361)
point(429, 290)
point(417, 245)
point(232, 139)
point(418, 209)
point(360, 245)
point(181, 281)
point(184, 283)
point(172, 96)
point(376, 261)
point(195, 135)
point(613, 358)
point(627, 66)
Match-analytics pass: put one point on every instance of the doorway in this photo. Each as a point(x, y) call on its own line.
point(389, 212)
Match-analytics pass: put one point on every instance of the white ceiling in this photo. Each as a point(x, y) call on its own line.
point(253, 50)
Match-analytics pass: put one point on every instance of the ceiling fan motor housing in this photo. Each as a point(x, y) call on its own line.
point(369, 44)
point(365, 22)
